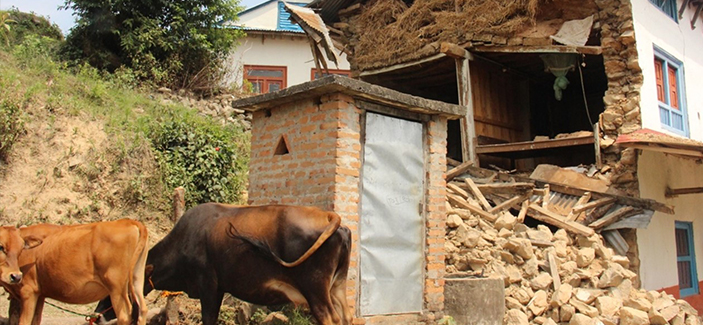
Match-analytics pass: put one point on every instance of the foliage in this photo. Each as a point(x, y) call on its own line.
point(16, 25)
point(11, 126)
point(167, 42)
point(204, 158)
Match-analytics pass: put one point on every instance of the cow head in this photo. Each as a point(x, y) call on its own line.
point(11, 245)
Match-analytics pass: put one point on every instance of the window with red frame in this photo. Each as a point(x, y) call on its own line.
point(265, 79)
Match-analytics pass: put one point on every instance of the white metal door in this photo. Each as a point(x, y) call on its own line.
point(391, 225)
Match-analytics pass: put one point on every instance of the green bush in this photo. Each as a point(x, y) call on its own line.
point(11, 126)
point(207, 159)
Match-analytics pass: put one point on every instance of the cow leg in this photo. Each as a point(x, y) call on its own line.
point(29, 305)
point(210, 304)
point(339, 300)
point(38, 311)
point(121, 303)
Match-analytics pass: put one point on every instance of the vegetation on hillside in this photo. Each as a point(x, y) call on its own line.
point(154, 146)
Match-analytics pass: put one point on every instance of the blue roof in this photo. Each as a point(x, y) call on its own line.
point(284, 22)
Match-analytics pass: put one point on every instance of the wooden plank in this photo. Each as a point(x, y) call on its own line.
point(541, 243)
point(477, 193)
point(523, 211)
point(453, 50)
point(508, 203)
point(545, 196)
point(596, 145)
point(349, 10)
point(589, 50)
point(554, 270)
point(582, 200)
point(467, 123)
point(402, 65)
point(672, 192)
point(614, 216)
point(647, 204)
point(594, 204)
point(458, 201)
point(453, 162)
point(554, 219)
point(516, 187)
point(553, 174)
point(458, 190)
point(594, 214)
point(535, 145)
point(458, 170)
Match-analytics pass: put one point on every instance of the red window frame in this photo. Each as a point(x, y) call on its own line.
point(262, 84)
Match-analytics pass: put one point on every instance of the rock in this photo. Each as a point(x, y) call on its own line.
point(585, 256)
point(611, 277)
point(562, 295)
point(662, 302)
point(542, 233)
point(622, 260)
point(531, 268)
point(515, 317)
point(274, 318)
point(512, 303)
point(656, 318)
point(561, 235)
point(603, 252)
point(520, 246)
point(512, 275)
point(581, 319)
point(567, 268)
point(541, 282)
point(669, 312)
point(639, 304)
point(608, 306)
point(584, 295)
point(686, 307)
point(164, 90)
point(538, 303)
point(505, 221)
point(549, 321)
point(522, 295)
point(583, 307)
point(454, 220)
point(692, 320)
point(560, 249)
point(566, 312)
point(505, 233)
point(631, 316)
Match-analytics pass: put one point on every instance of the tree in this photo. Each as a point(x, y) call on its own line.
point(175, 43)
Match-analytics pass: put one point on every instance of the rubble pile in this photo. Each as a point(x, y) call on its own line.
point(550, 277)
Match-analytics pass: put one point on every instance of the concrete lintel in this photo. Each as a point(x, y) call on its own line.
point(355, 88)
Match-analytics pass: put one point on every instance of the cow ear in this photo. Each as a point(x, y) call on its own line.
point(31, 242)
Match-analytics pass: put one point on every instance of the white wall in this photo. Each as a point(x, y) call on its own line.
point(657, 243)
point(652, 26)
point(264, 17)
point(283, 50)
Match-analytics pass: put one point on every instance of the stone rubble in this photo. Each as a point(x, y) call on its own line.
point(595, 285)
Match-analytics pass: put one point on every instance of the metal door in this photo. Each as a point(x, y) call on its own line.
point(391, 225)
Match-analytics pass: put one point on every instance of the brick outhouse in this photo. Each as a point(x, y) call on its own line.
point(377, 157)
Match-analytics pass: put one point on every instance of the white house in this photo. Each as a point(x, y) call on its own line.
point(276, 53)
point(669, 37)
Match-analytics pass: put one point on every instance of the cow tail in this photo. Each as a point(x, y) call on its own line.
point(335, 221)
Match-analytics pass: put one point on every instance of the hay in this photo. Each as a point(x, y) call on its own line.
point(393, 32)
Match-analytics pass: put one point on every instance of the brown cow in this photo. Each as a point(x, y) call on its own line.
point(80, 264)
point(267, 255)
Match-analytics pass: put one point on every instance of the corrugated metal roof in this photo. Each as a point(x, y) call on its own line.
point(284, 22)
point(328, 8)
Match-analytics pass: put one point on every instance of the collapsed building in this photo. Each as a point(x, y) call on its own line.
point(585, 101)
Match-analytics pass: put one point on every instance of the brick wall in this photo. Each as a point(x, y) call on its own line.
point(322, 168)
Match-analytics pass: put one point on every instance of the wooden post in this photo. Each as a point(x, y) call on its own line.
point(179, 203)
point(468, 125)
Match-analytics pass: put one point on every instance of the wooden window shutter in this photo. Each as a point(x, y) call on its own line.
point(673, 88)
point(659, 73)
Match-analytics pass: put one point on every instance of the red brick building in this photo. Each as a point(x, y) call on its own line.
point(331, 143)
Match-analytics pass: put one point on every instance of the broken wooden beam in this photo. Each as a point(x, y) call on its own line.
point(453, 50)
point(589, 50)
point(554, 219)
point(516, 187)
point(349, 10)
point(477, 193)
point(508, 203)
point(582, 200)
point(523, 211)
point(458, 170)
point(595, 213)
point(554, 271)
point(593, 204)
point(614, 216)
point(672, 192)
point(458, 201)
point(458, 190)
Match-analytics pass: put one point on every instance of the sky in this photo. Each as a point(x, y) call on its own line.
point(64, 18)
